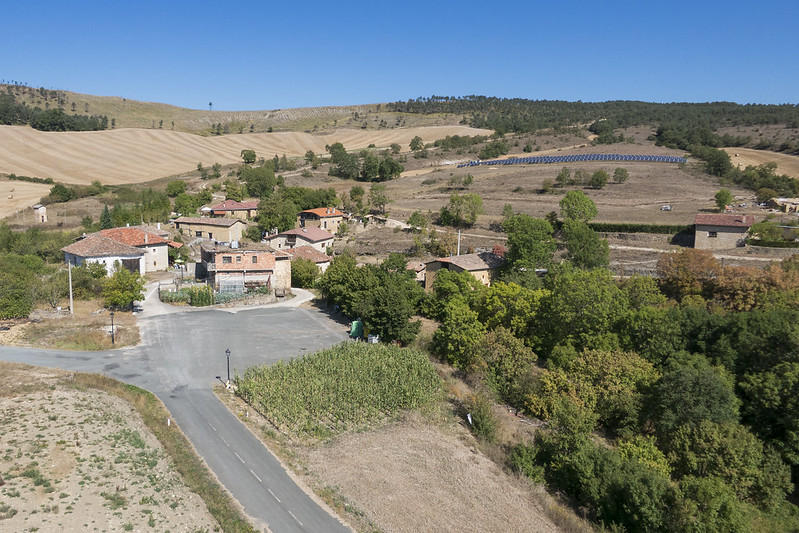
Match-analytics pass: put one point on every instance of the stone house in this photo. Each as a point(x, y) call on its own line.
point(155, 247)
point(480, 265)
point(326, 218)
point(717, 231)
point(215, 229)
point(234, 209)
point(314, 237)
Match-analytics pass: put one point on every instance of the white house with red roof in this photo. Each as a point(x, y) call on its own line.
point(326, 218)
point(155, 247)
point(316, 238)
point(716, 231)
point(96, 248)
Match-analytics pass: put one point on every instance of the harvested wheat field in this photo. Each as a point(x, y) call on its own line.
point(80, 459)
point(786, 164)
point(16, 198)
point(121, 156)
point(413, 476)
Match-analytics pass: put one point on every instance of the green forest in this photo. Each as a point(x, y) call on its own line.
point(518, 115)
point(669, 403)
point(54, 119)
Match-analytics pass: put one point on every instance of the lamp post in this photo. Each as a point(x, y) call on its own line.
point(112, 328)
point(227, 353)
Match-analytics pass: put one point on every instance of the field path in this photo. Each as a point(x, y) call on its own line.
point(138, 155)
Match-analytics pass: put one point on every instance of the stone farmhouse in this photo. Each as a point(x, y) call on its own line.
point(326, 218)
point(317, 238)
point(480, 265)
point(234, 209)
point(717, 231)
point(215, 229)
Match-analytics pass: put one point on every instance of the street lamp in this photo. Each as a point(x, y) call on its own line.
point(112, 328)
point(227, 353)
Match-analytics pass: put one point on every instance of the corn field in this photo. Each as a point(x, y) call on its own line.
point(348, 386)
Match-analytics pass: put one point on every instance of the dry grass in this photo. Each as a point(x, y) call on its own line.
point(88, 329)
point(76, 458)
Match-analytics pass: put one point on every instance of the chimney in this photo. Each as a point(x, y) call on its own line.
point(146, 240)
point(158, 225)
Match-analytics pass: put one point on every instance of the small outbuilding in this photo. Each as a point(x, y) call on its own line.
point(717, 231)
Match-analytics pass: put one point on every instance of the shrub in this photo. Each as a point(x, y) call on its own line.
point(483, 422)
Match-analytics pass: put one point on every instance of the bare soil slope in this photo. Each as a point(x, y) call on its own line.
point(139, 155)
point(84, 460)
point(412, 476)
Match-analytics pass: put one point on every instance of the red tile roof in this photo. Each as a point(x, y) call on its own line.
point(472, 262)
point(719, 219)
point(311, 234)
point(133, 236)
point(309, 252)
point(224, 222)
point(233, 205)
point(96, 245)
point(323, 212)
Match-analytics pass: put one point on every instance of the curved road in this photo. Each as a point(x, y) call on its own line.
point(178, 360)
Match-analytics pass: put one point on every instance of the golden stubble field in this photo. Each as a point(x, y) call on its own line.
point(130, 155)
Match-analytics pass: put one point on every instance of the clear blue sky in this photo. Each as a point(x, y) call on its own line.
point(265, 55)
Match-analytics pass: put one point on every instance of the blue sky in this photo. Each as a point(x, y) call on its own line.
point(280, 54)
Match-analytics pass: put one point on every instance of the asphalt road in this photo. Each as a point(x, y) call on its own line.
point(178, 360)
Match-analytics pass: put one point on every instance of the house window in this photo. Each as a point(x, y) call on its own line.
point(712, 234)
point(226, 259)
point(255, 259)
point(238, 259)
point(198, 233)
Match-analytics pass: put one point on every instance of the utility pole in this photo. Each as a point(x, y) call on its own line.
point(69, 268)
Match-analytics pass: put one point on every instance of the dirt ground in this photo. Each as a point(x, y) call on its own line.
point(84, 460)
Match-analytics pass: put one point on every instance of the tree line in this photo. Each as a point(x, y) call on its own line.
point(56, 119)
point(518, 115)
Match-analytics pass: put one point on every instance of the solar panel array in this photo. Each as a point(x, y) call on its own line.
point(576, 158)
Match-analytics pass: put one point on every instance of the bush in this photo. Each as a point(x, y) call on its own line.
point(483, 422)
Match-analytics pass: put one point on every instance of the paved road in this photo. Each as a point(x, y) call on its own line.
point(179, 358)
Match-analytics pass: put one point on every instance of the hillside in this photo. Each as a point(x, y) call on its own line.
point(139, 155)
point(126, 113)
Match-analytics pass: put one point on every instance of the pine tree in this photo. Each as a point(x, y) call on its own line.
point(105, 219)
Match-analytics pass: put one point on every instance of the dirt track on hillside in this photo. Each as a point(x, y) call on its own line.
point(139, 155)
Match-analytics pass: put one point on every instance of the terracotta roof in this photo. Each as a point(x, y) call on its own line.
point(719, 219)
point(416, 266)
point(132, 236)
point(96, 245)
point(312, 234)
point(308, 252)
point(472, 262)
point(233, 205)
point(323, 212)
point(224, 222)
